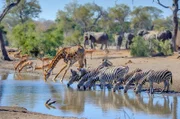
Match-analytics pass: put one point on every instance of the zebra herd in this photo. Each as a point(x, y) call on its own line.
point(117, 76)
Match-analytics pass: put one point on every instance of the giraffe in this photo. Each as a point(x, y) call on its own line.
point(70, 55)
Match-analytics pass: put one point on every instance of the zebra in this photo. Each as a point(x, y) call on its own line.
point(112, 73)
point(76, 76)
point(135, 79)
point(157, 77)
point(91, 82)
point(130, 74)
point(91, 74)
point(117, 84)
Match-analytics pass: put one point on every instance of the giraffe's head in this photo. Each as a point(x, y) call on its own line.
point(46, 74)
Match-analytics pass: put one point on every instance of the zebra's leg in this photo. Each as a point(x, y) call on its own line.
point(94, 87)
point(167, 85)
point(151, 87)
point(102, 84)
point(109, 86)
point(136, 83)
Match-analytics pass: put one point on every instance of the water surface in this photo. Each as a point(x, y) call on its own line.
point(32, 92)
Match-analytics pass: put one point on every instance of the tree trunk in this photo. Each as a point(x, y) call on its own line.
point(4, 12)
point(175, 23)
point(174, 8)
point(3, 49)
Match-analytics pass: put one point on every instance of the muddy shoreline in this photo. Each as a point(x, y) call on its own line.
point(23, 113)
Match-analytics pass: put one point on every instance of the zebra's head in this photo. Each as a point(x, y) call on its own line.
point(74, 77)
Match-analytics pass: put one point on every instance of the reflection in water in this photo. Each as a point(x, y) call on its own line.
point(175, 108)
point(32, 94)
point(4, 76)
point(21, 76)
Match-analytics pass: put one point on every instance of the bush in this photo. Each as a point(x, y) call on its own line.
point(160, 46)
point(139, 47)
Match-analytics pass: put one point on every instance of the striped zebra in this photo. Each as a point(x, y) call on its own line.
point(112, 73)
point(135, 79)
point(91, 82)
point(85, 78)
point(157, 77)
point(75, 76)
point(117, 84)
point(130, 74)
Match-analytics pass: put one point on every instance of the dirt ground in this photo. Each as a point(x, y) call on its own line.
point(121, 57)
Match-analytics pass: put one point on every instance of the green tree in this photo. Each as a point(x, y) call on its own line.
point(74, 39)
point(118, 16)
point(26, 10)
point(26, 37)
point(163, 24)
point(141, 16)
point(50, 40)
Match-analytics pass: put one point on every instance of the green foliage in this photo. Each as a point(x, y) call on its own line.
point(141, 16)
point(50, 41)
point(160, 46)
point(139, 47)
point(26, 10)
point(25, 37)
point(74, 39)
point(163, 24)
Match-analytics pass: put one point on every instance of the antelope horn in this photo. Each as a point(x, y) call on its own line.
point(47, 101)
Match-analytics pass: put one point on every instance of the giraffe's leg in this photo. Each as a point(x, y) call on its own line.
point(54, 79)
point(68, 66)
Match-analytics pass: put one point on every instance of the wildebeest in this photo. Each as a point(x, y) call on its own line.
point(164, 35)
point(128, 38)
point(142, 32)
point(118, 40)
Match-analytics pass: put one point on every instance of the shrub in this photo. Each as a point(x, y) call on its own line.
point(160, 46)
point(139, 47)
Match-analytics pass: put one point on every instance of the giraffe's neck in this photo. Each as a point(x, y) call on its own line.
point(55, 60)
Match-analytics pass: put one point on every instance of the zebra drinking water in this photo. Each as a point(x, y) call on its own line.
point(116, 85)
point(157, 77)
point(112, 73)
point(135, 79)
point(75, 77)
